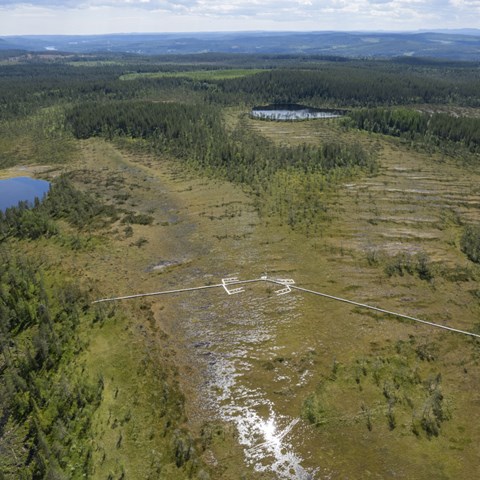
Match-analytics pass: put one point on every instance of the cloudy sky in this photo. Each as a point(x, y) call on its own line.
point(115, 16)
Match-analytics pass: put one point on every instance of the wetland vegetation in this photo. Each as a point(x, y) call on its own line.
point(161, 178)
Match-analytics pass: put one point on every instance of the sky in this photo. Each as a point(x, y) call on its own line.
point(84, 17)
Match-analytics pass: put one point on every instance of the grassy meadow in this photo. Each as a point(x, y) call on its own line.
point(199, 75)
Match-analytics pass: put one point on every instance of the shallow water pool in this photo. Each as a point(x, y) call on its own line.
point(19, 189)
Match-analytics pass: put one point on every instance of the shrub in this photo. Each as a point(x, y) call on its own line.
point(403, 263)
point(470, 242)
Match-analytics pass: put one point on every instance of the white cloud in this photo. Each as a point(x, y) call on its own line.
point(96, 16)
point(466, 4)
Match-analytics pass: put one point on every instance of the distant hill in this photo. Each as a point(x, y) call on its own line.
point(9, 45)
point(453, 45)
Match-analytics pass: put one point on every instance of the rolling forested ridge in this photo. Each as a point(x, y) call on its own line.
point(160, 175)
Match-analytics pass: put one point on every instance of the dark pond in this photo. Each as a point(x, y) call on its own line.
point(288, 112)
point(18, 189)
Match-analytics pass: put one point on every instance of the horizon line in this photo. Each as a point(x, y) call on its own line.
point(203, 32)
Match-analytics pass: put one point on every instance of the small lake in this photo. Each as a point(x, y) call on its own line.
point(19, 189)
point(290, 112)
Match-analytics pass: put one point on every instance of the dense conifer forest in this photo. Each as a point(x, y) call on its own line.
point(47, 403)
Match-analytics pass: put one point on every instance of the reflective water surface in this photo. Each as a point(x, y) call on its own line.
point(228, 339)
point(289, 112)
point(18, 189)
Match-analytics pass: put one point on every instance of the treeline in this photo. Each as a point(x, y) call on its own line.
point(46, 405)
point(48, 398)
point(347, 84)
point(26, 87)
point(317, 80)
point(184, 124)
point(195, 134)
point(414, 125)
point(63, 201)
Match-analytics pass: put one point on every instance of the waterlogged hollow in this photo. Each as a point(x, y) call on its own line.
point(291, 112)
point(21, 189)
point(227, 338)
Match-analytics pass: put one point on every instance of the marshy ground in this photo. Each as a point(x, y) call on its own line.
point(252, 365)
point(279, 387)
